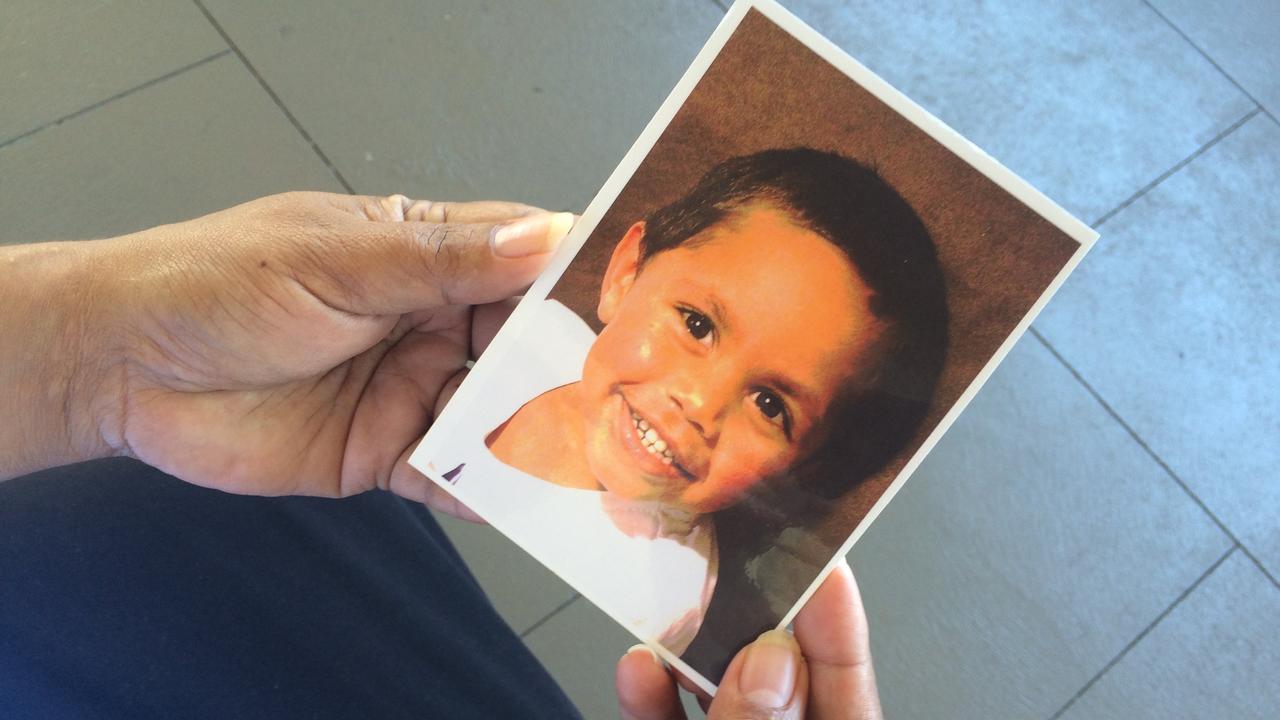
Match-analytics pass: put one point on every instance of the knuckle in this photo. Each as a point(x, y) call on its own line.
point(424, 211)
point(442, 212)
point(380, 208)
point(433, 211)
point(389, 208)
point(442, 248)
point(445, 249)
point(441, 259)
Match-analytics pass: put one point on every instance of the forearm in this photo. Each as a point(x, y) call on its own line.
point(56, 367)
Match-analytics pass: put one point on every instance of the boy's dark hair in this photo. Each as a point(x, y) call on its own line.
point(852, 207)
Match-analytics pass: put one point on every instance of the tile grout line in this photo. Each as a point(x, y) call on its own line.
point(1181, 164)
point(1258, 563)
point(1145, 631)
point(1210, 60)
point(274, 97)
point(120, 95)
point(543, 620)
point(1159, 461)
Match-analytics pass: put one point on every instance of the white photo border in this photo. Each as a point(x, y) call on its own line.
point(498, 351)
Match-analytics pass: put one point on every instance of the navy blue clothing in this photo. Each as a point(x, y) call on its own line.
point(125, 593)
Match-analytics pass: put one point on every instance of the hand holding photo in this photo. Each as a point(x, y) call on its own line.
point(782, 297)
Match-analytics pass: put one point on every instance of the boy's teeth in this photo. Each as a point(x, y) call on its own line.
point(651, 441)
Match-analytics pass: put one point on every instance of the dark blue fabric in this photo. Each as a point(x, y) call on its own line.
point(125, 593)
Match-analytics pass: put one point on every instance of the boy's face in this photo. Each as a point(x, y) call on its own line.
point(719, 359)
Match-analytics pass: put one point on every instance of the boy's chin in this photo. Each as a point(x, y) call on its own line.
point(635, 487)
point(631, 489)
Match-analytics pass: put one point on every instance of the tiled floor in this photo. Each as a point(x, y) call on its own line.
point(1098, 537)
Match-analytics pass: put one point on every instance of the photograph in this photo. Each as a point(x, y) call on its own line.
point(789, 288)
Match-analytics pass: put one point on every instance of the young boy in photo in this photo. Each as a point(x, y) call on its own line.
point(782, 324)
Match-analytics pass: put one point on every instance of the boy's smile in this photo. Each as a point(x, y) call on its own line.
point(654, 453)
point(719, 358)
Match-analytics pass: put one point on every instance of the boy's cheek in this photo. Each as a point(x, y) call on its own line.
point(736, 469)
point(724, 484)
point(623, 356)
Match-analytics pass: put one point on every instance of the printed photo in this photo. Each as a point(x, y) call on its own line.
point(786, 292)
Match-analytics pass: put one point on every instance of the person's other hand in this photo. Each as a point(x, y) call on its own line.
point(823, 672)
point(302, 343)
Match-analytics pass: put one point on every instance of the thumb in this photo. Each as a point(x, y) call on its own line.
point(768, 679)
point(400, 267)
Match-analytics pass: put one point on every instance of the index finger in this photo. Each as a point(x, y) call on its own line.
point(399, 208)
point(481, 211)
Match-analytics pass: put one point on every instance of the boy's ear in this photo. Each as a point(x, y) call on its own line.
point(621, 274)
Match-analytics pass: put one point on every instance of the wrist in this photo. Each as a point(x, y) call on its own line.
point(61, 375)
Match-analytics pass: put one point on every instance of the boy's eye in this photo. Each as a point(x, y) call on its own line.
point(698, 325)
point(769, 404)
point(773, 408)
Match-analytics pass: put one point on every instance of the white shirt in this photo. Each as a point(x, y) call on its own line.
point(649, 566)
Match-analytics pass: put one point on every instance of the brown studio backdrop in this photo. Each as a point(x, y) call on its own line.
point(767, 90)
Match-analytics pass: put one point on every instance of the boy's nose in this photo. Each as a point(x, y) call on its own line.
point(703, 398)
point(691, 405)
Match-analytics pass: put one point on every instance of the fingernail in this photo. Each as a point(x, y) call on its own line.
point(641, 647)
point(531, 236)
point(769, 670)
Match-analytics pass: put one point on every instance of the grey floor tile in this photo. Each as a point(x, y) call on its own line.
point(1173, 321)
point(454, 99)
point(1030, 547)
point(1214, 656)
point(204, 140)
point(1242, 37)
point(1089, 101)
point(580, 647)
point(522, 590)
point(59, 56)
